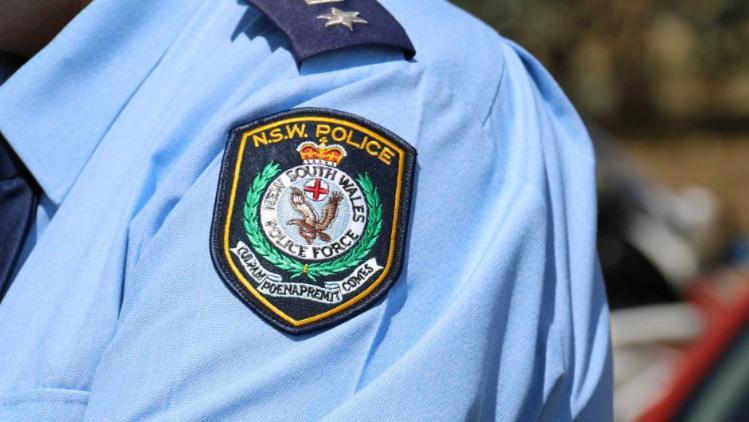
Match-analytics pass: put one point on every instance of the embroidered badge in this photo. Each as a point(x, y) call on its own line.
point(311, 213)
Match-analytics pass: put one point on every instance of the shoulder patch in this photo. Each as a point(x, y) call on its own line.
point(311, 213)
point(319, 26)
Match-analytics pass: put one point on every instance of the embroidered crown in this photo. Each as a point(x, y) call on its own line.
point(312, 153)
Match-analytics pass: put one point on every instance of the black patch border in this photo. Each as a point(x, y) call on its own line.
point(221, 205)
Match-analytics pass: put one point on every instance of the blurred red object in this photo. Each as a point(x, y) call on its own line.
point(726, 321)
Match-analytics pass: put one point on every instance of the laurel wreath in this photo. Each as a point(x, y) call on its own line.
point(351, 259)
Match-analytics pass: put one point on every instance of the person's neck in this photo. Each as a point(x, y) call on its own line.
point(26, 26)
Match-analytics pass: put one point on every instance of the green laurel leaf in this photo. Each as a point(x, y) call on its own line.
point(261, 245)
point(252, 226)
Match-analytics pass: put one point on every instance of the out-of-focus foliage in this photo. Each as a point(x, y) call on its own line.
point(638, 64)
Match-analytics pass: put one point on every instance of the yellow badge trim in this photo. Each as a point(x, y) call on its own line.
point(363, 294)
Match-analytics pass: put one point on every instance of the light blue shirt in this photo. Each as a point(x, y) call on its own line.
point(119, 314)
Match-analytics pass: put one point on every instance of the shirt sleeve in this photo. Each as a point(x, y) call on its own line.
point(498, 314)
point(580, 320)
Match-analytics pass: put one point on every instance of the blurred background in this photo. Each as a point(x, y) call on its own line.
point(664, 89)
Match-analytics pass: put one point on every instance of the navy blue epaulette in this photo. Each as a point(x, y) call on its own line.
point(319, 26)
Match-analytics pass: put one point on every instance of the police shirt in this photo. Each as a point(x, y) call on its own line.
point(140, 298)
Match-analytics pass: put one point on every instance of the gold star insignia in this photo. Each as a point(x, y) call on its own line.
point(340, 17)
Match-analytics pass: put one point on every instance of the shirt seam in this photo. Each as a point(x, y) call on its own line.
point(495, 97)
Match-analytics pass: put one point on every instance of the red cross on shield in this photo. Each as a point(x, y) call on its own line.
point(316, 189)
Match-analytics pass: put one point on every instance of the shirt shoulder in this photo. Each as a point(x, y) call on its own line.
point(464, 54)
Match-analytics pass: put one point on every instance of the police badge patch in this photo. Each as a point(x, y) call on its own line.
point(311, 213)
